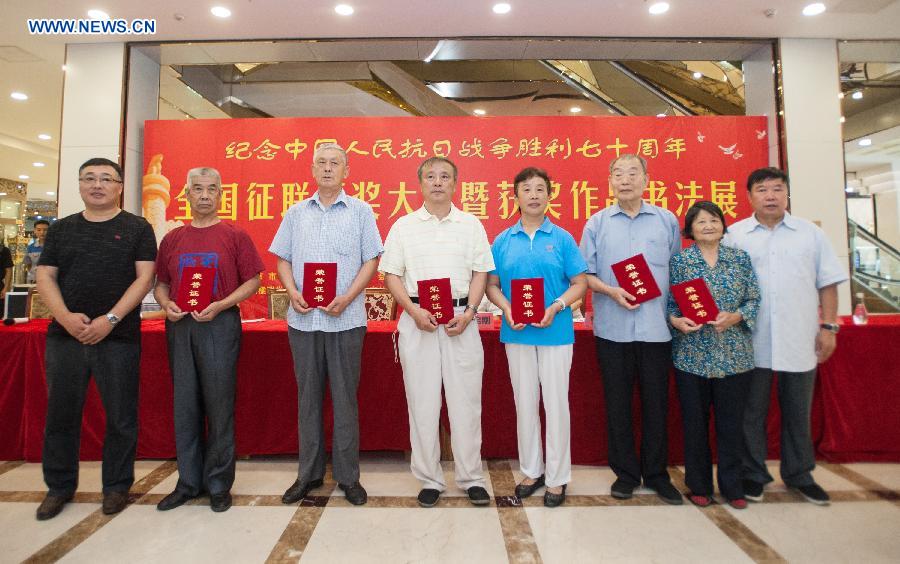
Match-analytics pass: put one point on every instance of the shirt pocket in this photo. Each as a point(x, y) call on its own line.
point(657, 253)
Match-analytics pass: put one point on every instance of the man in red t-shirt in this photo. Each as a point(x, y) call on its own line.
point(203, 271)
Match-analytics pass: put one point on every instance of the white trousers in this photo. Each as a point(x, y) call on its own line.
point(428, 360)
point(533, 370)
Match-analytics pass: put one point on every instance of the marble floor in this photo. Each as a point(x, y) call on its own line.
point(861, 525)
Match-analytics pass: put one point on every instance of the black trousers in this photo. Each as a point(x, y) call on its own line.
point(115, 366)
point(620, 365)
point(727, 396)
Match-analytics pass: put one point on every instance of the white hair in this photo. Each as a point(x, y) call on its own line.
point(204, 171)
point(330, 145)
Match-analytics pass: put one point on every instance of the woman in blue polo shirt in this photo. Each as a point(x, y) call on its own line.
point(540, 353)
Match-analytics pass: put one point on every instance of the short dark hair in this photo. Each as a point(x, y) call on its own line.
point(768, 173)
point(100, 161)
point(708, 207)
point(433, 160)
point(528, 174)
point(40, 222)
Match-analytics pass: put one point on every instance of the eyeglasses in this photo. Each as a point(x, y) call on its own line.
point(104, 180)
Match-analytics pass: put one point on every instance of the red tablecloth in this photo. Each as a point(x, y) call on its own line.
point(855, 417)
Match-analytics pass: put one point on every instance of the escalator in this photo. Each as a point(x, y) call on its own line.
point(875, 270)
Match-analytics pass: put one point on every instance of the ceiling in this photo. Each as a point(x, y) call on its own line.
point(33, 64)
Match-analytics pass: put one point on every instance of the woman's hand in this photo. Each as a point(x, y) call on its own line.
point(726, 319)
point(684, 324)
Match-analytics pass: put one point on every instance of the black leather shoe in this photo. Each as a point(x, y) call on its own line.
point(220, 502)
point(753, 491)
point(51, 506)
point(113, 502)
point(478, 495)
point(622, 489)
point(667, 492)
point(173, 500)
point(428, 497)
point(525, 490)
point(554, 500)
point(299, 490)
point(355, 493)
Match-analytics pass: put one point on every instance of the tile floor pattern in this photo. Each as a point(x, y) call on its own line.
point(861, 525)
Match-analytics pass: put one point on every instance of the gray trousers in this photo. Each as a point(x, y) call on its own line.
point(335, 356)
point(795, 394)
point(203, 360)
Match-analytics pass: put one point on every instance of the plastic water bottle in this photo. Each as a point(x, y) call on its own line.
point(860, 313)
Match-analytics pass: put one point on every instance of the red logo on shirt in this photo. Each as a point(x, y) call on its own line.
point(118, 236)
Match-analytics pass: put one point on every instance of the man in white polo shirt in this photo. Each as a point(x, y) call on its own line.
point(440, 241)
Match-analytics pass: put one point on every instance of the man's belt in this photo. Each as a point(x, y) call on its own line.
point(456, 303)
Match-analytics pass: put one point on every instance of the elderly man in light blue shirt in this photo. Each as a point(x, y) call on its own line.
point(326, 341)
point(798, 272)
point(633, 340)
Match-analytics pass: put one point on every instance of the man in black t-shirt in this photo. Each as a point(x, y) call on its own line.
point(96, 267)
point(6, 266)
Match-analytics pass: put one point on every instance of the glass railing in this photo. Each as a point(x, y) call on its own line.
point(876, 270)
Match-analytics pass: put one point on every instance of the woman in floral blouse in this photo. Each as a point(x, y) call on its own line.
point(713, 361)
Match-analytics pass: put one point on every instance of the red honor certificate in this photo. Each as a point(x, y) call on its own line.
point(436, 298)
point(319, 283)
point(527, 300)
point(195, 288)
point(695, 301)
point(634, 275)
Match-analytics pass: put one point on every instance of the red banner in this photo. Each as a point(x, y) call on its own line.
point(266, 166)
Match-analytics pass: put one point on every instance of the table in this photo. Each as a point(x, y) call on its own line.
point(854, 413)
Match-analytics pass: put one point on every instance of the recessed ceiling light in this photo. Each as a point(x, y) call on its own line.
point(575, 109)
point(858, 95)
point(843, 119)
point(698, 75)
point(51, 193)
point(2, 193)
point(659, 8)
point(39, 217)
point(344, 9)
point(38, 164)
point(24, 177)
point(661, 115)
point(502, 8)
point(18, 96)
point(479, 112)
point(862, 143)
point(44, 137)
point(813, 9)
point(220, 12)
point(98, 15)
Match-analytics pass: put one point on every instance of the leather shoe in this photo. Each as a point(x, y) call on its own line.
point(622, 489)
point(478, 495)
point(220, 502)
point(667, 492)
point(113, 502)
point(355, 493)
point(300, 490)
point(173, 500)
point(525, 490)
point(51, 506)
point(554, 500)
point(428, 497)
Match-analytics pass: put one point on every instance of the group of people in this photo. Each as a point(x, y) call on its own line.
point(774, 282)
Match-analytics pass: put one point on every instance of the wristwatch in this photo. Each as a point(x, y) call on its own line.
point(470, 306)
point(833, 327)
point(113, 318)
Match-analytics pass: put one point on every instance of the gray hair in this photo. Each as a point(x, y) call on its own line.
point(204, 171)
point(330, 145)
point(629, 156)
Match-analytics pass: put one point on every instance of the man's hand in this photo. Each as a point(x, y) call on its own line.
point(298, 303)
point(208, 314)
point(509, 320)
point(96, 331)
point(173, 312)
point(459, 322)
point(424, 320)
point(726, 319)
point(337, 305)
point(684, 324)
point(826, 342)
point(623, 298)
point(75, 323)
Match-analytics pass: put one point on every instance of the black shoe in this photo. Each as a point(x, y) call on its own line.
point(478, 495)
point(113, 502)
point(173, 500)
point(220, 502)
point(525, 490)
point(51, 506)
point(667, 492)
point(428, 497)
point(554, 500)
point(355, 493)
point(813, 494)
point(753, 491)
point(622, 489)
point(300, 490)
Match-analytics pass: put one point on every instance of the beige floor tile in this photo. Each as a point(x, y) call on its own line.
point(392, 477)
point(356, 535)
point(252, 477)
point(586, 480)
point(29, 477)
point(21, 535)
point(825, 478)
point(888, 475)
